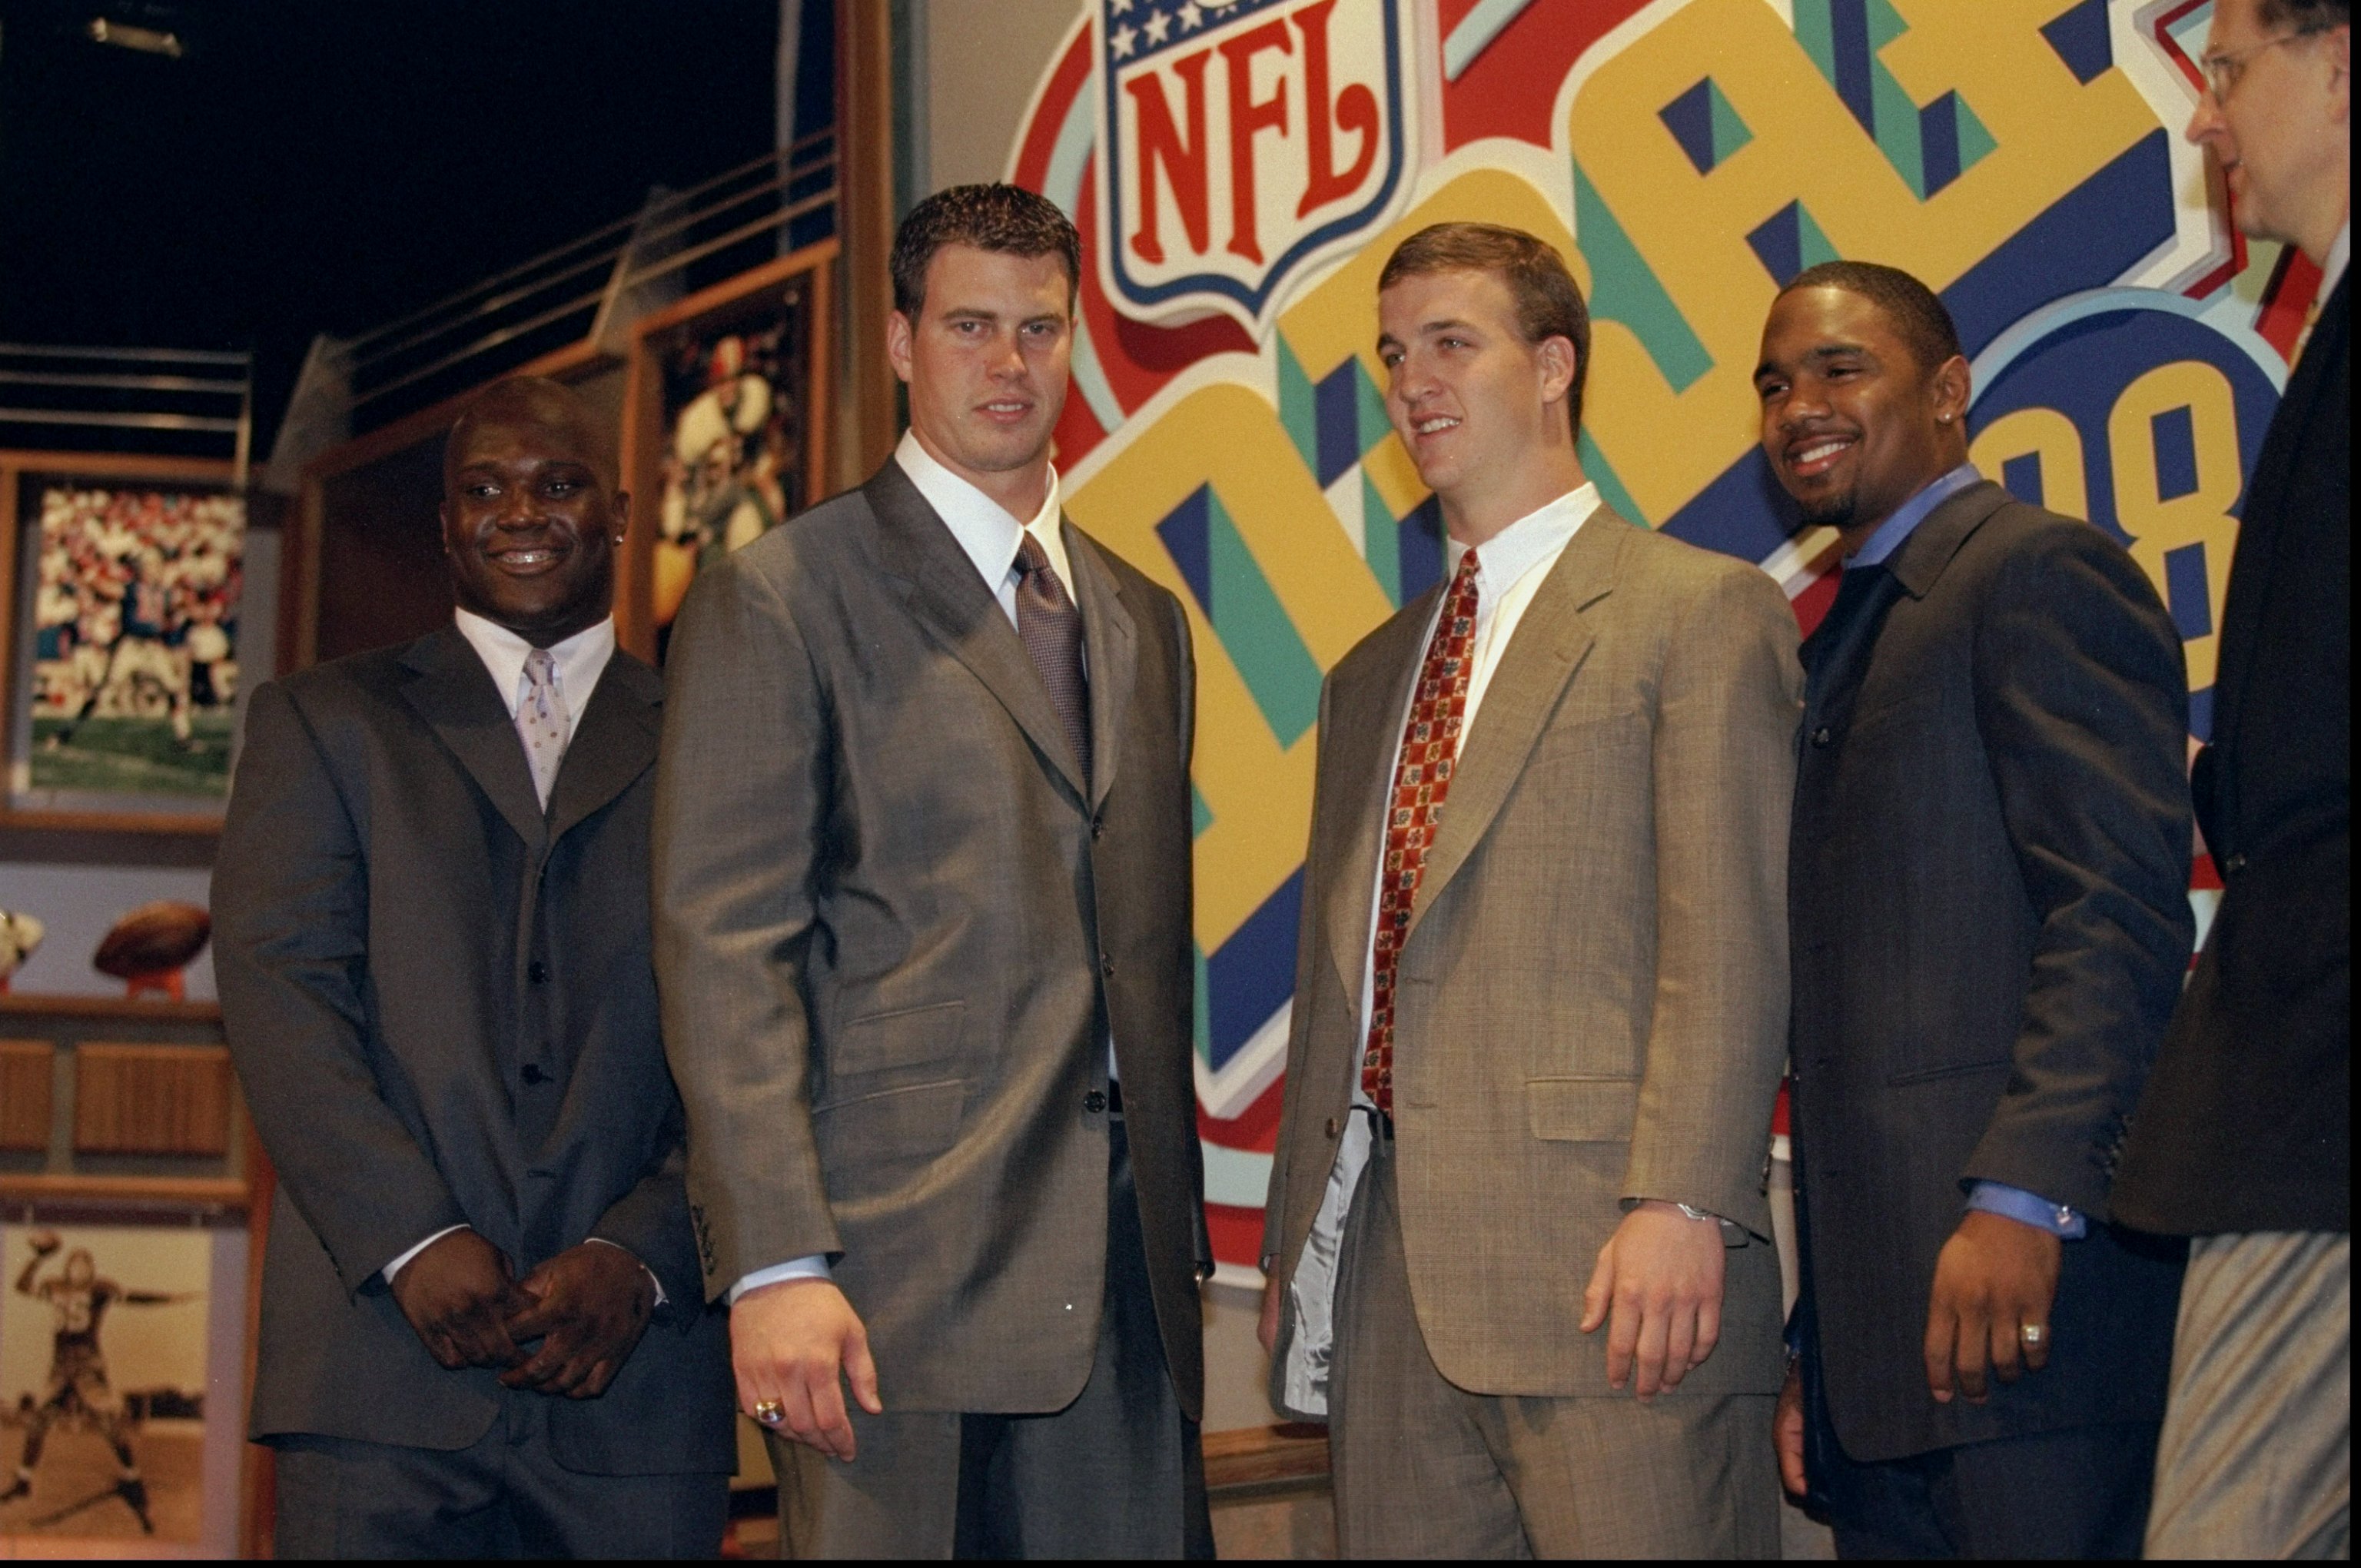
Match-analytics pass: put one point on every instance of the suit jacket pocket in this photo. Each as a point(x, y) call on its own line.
point(893, 1125)
point(906, 1037)
point(1583, 1110)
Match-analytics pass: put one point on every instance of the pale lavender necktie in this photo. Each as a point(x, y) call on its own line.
point(1051, 629)
point(541, 722)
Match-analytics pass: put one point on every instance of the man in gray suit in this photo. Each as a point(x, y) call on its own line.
point(483, 1331)
point(923, 900)
point(1541, 989)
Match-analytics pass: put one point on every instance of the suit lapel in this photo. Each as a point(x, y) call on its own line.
point(952, 604)
point(1920, 559)
point(1111, 647)
point(453, 693)
point(1542, 656)
point(1357, 757)
point(613, 745)
point(2259, 518)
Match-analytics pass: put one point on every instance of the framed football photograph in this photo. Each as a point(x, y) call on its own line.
point(123, 583)
point(725, 428)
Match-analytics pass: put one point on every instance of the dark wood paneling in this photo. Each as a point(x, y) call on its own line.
point(24, 1073)
point(151, 1100)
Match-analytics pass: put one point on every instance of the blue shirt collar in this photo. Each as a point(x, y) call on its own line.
point(1910, 514)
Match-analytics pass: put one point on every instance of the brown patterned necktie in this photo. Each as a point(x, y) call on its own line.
point(1430, 748)
point(1051, 629)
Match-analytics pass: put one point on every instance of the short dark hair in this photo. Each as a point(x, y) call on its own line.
point(1005, 218)
point(1909, 304)
point(2305, 16)
point(1549, 301)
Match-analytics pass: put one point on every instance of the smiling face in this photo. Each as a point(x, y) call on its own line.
point(986, 366)
point(1852, 424)
point(530, 512)
point(1482, 410)
point(2281, 131)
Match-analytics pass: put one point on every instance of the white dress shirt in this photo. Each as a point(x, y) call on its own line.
point(2332, 272)
point(990, 534)
point(581, 659)
point(1510, 567)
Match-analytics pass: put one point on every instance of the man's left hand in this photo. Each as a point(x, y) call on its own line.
point(1659, 1276)
point(1996, 1278)
point(590, 1304)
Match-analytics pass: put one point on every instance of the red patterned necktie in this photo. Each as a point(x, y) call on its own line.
point(1429, 746)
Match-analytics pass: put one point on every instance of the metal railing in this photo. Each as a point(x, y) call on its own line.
point(591, 288)
point(182, 401)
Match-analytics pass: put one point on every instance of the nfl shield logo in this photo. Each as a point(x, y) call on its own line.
point(1239, 144)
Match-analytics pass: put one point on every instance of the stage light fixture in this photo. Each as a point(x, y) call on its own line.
point(146, 40)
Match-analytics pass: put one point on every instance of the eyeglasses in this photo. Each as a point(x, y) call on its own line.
point(2223, 68)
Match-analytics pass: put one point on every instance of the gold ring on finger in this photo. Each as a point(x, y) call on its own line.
point(770, 1412)
point(2033, 1335)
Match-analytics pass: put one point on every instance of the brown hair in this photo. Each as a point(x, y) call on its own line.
point(2305, 16)
point(1005, 218)
point(1549, 302)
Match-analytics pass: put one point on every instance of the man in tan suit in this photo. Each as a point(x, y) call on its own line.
point(1541, 997)
point(922, 934)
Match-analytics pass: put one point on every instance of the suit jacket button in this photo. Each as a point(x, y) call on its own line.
point(1821, 737)
point(1094, 1102)
point(536, 972)
point(1334, 1126)
point(1107, 966)
point(533, 1073)
point(2235, 863)
point(1098, 827)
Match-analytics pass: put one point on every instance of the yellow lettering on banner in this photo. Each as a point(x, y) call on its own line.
point(2158, 526)
point(2053, 133)
point(1261, 796)
point(2038, 432)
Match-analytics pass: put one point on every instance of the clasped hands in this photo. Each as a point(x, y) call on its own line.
point(588, 1306)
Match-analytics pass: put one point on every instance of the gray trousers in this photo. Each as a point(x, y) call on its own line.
point(1118, 1473)
point(502, 1498)
point(2257, 1456)
point(1423, 1468)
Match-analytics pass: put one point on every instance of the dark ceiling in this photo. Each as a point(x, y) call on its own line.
point(329, 166)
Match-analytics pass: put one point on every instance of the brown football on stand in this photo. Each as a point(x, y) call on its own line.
point(148, 949)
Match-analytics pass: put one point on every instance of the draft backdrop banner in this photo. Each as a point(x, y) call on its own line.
point(1240, 172)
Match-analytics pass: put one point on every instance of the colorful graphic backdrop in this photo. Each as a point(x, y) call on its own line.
point(1240, 172)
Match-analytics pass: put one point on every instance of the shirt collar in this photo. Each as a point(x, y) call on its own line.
point(581, 659)
point(1910, 514)
point(1526, 542)
point(2333, 272)
point(984, 529)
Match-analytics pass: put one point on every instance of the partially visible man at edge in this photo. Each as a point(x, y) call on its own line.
point(436, 984)
point(1988, 885)
point(2244, 1141)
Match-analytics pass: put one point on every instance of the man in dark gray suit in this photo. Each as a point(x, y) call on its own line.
point(1989, 921)
point(483, 1326)
point(923, 934)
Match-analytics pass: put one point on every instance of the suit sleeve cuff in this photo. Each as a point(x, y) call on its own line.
point(814, 1266)
point(396, 1266)
point(661, 1297)
point(2028, 1209)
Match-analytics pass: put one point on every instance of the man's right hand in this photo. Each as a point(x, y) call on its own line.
point(1787, 1434)
point(458, 1295)
point(1267, 1330)
point(792, 1342)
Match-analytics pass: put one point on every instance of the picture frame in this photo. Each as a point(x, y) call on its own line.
point(726, 428)
point(124, 1331)
point(124, 612)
